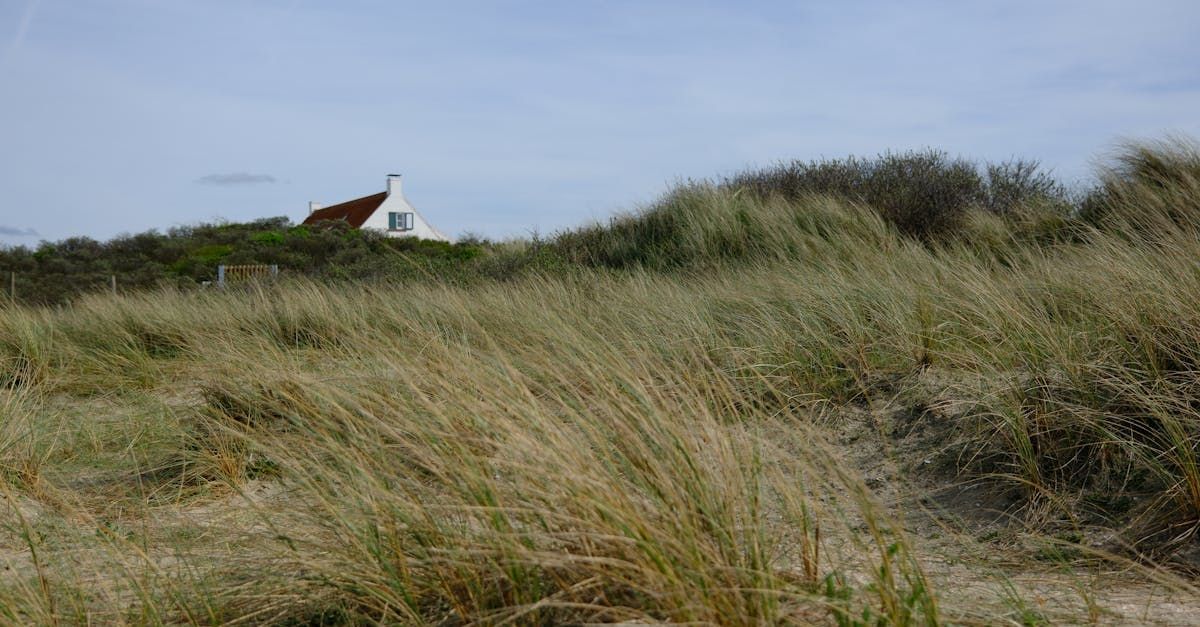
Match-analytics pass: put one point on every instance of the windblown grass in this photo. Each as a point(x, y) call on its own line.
point(617, 443)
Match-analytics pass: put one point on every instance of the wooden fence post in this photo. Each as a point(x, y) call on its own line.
point(114, 285)
point(12, 287)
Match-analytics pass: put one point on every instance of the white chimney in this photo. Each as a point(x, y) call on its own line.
point(313, 206)
point(393, 184)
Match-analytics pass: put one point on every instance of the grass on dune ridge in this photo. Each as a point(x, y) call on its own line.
point(643, 425)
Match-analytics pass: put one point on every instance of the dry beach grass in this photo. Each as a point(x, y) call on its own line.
point(843, 424)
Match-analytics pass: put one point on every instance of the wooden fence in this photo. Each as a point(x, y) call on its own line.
point(11, 288)
point(225, 275)
point(230, 274)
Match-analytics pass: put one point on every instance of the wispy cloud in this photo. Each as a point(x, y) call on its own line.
point(236, 178)
point(23, 25)
point(15, 232)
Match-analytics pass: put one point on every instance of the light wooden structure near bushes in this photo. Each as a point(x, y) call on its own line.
point(249, 272)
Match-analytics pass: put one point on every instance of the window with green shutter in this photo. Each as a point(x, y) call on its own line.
point(400, 221)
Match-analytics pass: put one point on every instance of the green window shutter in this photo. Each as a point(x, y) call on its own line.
point(391, 220)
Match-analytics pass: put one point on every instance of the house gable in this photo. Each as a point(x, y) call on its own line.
point(376, 212)
point(397, 203)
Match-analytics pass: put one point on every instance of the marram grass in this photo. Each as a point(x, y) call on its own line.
point(816, 419)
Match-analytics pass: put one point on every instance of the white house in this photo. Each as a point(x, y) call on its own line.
point(387, 212)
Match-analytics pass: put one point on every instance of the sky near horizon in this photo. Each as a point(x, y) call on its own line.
point(509, 117)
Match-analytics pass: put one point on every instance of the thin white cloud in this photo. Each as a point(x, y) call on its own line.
point(10, 231)
point(23, 26)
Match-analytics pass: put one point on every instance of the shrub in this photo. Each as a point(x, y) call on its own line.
point(212, 253)
point(270, 238)
point(923, 193)
point(1017, 183)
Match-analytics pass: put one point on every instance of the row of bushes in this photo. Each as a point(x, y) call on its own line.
point(927, 195)
point(923, 193)
point(56, 272)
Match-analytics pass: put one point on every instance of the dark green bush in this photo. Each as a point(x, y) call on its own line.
point(270, 238)
point(923, 193)
point(1013, 185)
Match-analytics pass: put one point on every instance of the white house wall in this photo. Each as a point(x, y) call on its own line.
point(395, 201)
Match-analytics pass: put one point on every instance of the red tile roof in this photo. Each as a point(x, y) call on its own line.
point(355, 212)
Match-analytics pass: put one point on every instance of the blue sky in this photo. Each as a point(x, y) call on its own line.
point(507, 116)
